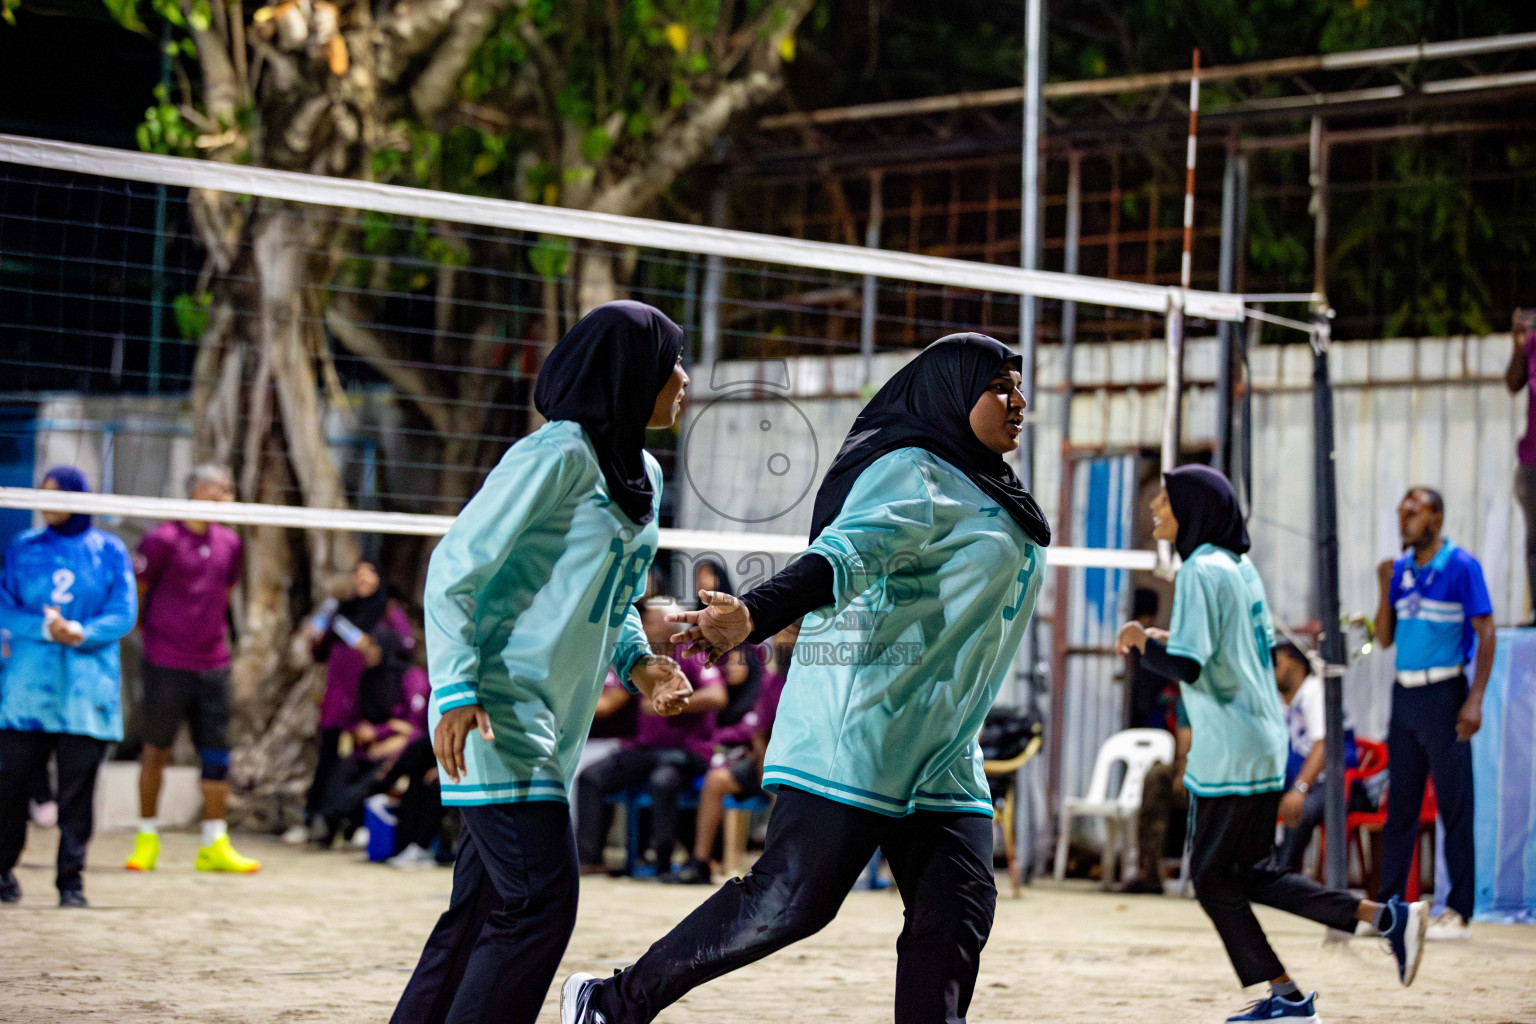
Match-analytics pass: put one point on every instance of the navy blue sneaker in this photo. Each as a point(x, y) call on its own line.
point(1280, 1008)
point(1404, 934)
point(10, 889)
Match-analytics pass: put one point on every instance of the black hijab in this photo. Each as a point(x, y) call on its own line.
point(605, 374)
point(366, 612)
point(1206, 507)
point(927, 405)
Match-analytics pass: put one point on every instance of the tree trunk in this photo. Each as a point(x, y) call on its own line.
point(257, 408)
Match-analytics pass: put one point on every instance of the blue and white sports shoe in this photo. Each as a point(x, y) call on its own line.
point(1404, 935)
point(1278, 1008)
point(576, 1001)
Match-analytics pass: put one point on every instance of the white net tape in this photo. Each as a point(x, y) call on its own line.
point(362, 521)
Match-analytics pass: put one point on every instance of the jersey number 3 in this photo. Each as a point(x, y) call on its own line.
point(1025, 575)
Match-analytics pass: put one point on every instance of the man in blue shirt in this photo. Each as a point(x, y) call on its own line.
point(1433, 604)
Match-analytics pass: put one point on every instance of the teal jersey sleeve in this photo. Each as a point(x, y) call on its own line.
point(632, 646)
point(519, 491)
point(882, 529)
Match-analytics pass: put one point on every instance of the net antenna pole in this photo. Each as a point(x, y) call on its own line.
point(1174, 327)
point(1029, 238)
point(1029, 259)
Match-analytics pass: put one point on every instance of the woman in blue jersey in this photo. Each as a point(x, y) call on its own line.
point(528, 604)
point(67, 596)
point(925, 560)
point(1219, 648)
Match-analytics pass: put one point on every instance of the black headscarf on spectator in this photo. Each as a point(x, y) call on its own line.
point(1206, 507)
point(605, 374)
point(927, 405)
point(366, 612)
point(722, 577)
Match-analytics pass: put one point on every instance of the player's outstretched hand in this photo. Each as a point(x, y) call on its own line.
point(1133, 637)
point(658, 678)
point(720, 625)
point(452, 730)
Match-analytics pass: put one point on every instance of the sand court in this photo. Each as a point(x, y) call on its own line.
point(326, 936)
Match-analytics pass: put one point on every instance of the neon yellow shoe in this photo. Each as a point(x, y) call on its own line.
point(146, 851)
point(219, 855)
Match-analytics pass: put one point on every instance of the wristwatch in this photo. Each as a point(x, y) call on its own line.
point(1301, 787)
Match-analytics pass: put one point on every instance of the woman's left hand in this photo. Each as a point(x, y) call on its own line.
point(1133, 637)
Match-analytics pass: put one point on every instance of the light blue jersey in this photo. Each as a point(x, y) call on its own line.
point(48, 687)
point(529, 601)
point(934, 587)
point(1221, 620)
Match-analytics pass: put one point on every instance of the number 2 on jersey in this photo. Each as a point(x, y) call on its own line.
point(63, 579)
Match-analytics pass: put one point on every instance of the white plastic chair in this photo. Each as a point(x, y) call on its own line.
point(1138, 750)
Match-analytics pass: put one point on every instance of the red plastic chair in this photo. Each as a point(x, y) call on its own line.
point(1359, 824)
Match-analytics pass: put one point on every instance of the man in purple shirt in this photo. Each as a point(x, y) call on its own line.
point(186, 570)
point(1522, 367)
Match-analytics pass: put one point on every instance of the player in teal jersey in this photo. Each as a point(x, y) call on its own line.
point(1219, 650)
point(529, 601)
point(925, 561)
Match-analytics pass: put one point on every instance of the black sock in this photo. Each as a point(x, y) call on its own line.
point(1285, 990)
point(1382, 919)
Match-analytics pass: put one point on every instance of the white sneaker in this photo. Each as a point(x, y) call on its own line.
point(1448, 927)
point(297, 835)
point(576, 999)
point(44, 815)
point(359, 840)
point(411, 858)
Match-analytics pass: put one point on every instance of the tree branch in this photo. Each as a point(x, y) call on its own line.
point(683, 143)
point(343, 321)
point(438, 84)
point(408, 31)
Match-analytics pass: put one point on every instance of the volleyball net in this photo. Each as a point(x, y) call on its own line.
point(361, 354)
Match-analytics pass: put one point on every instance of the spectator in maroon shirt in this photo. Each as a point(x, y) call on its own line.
point(665, 755)
point(743, 777)
point(186, 570)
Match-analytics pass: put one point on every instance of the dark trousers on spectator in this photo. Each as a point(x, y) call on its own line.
point(419, 817)
point(815, 851)
point(1232, 867)
point(495, 950)
point(1293, 845)
point(22, 756)
point(330, 746)
point(1422, 743)
point(662, 771)
point(1164, 810)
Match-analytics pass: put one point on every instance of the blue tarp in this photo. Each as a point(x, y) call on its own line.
point(1504, 771)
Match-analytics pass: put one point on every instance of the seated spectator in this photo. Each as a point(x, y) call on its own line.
point(665, 755)
point(741, 776)
point(419, 810)
point(366, 642)
point(743, 667)
point(347, 636)
point(1301, 808)
point(1164, 813)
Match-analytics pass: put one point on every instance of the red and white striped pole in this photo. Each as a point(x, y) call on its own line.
point(1189, 172)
